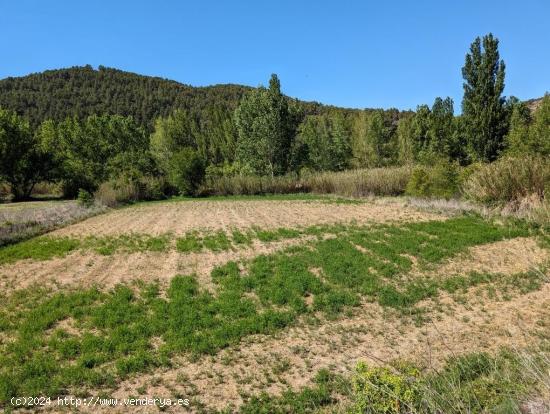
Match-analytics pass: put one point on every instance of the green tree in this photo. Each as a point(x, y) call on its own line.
point(322, 143)
point(219, 135)
point(370, 140)
point(21, 159)
point(517, 139)
point(420, 129)
point(265, 129)
point(483, 107)
point(539, 132)
point(405, 141)
point(441, 127)
point(171, 134)
point(186, 171)
point(99, 148)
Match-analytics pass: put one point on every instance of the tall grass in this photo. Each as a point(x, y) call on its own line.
point(115, 192)
point(509, 180)
point(387, 181)
point(254, 185)
point(353, 183)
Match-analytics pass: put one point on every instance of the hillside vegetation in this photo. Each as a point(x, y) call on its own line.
point(83, 91)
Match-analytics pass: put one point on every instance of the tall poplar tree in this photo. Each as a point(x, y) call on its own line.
point(483, 107)
point(265, 129)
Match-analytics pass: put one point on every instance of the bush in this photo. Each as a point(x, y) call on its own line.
point(84, 198)
point(507, 180)
point(5, 191)
point(383, 390)
point(46, 189)
point(440, 181)
point(419, 184)
point(122, 191)
point(186, 171)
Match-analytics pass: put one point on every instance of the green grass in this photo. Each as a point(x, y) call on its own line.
point(45, 247)
point(278, 234)
point(241, 238)
point(39, 248)
point(217, 241)
point(127, 243)
point(220, 241)
point(118, 327)
point(190, 243)
point(326, 388)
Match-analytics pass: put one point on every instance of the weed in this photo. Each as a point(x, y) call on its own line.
point(241, 238)
point(190, 243)
point(217, 241)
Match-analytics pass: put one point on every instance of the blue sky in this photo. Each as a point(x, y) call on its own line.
point(349, 53)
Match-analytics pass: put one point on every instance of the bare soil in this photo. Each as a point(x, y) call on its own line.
point(507, 257)
point(181, 217)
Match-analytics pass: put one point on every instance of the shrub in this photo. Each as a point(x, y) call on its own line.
point(186, 171)
point(383, 390)
point(122, 191)
point(419, 184)
point(508, 180)
point(84, 198)
point(46, 189)
point(439, 181)
point(5, 190)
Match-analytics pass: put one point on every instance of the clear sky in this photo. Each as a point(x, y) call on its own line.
point(384, 53)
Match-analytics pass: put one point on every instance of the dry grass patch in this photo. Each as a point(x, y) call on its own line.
point(517, 255)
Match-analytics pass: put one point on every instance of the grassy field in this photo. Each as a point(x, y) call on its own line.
point(281, 304)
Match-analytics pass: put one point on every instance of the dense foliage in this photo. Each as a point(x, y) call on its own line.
point(83, 91)
point(22, 161)
point(82, 128)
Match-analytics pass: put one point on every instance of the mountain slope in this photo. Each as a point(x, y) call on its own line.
point(82, 91)
point(533, 104)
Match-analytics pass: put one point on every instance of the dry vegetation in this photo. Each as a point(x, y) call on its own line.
point(19, 221)
point(275, 295)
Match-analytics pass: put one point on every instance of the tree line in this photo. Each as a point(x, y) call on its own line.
point(267, 133)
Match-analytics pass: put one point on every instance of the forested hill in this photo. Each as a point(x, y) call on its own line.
point(82, 91)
